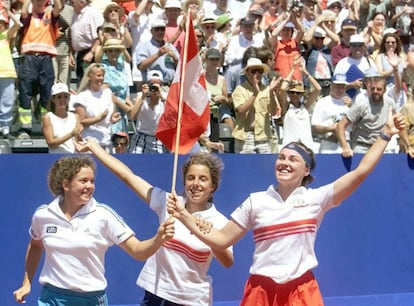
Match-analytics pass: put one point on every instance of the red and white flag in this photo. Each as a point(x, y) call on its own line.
point(188, 95)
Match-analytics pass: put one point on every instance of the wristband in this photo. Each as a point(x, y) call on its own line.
point(384, 136)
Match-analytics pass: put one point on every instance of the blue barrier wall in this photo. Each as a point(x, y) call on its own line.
point(365, 248)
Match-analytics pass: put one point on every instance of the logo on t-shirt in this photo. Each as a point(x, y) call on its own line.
point(51, 230)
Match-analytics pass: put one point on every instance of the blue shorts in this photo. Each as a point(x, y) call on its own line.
point(52, 296)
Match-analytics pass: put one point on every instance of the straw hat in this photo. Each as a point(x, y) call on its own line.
point(297, 86)
point(113, 5)
point(256, 63)
point(113, 43)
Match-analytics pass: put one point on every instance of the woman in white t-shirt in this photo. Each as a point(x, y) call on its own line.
point(284, 221)
point(177, 274)
point(60, 126)
point(74, 232)
point(95, 105)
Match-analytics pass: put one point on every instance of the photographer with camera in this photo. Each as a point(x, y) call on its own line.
point(146, 113)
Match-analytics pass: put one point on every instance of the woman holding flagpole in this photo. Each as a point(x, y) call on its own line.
point(285, 220)
point(177, 273)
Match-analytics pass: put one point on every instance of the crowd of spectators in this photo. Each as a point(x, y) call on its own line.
point(325, 72)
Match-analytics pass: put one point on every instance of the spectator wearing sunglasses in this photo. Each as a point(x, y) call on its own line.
point(120, 142)
point(114, 59)
point(296, 106)
point(319, 62)
point(254, 103)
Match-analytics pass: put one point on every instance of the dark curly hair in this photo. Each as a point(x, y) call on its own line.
point(66, 168)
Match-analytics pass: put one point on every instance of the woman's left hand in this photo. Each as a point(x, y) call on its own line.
point(116, 117)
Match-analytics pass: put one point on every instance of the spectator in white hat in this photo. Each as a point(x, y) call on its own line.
point(146, 113)
point(254, 103)
point(319, 62)
point(114, 60)
point(175, 25)
point(355, 65)
point(157, 54)
point(348, 28)
point(60, 126)
point(328, 111)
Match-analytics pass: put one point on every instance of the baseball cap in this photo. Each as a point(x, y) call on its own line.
point(157, 23)
point(247, 21)
point(349, 24)
point(289, 25)
point(319, 32)
point(60, 88)
point(331, 2)
point(357, 39)
point(339, 78)
point(155, 75)
point(213, 53)
point(173, 4)
point(371, 73)
point(120, 134)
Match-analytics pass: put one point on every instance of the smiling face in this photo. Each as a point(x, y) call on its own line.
point(290, 168)
point(80, 189)
point(198, 185)
point(96, 78)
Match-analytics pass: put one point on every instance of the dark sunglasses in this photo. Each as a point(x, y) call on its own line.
point(113, 50)
point(257, 70)
point(295, 92)
point(121, 144)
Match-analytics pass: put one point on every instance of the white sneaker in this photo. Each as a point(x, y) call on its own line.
point(5, 130)
point(23, 135)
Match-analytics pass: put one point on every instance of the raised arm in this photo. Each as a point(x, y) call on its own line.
point(140, 186)
point(348, 183)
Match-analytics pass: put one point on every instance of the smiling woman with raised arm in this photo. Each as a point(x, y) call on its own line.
point(177, 273)
point(285, 219)
point(75, 231)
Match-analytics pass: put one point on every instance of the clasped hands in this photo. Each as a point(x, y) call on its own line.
point(176, 209)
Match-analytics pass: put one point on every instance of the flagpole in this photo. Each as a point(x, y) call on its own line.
point(180, 101)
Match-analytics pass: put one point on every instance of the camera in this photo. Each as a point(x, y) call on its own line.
point(153, 88)
point(296, 3)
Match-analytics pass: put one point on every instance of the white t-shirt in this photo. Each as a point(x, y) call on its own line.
point(148, 118)
point(95, 104)
point(62, 127)
point(284, 232)
point(297, 126)
point(75, 249)
point(177, 272)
